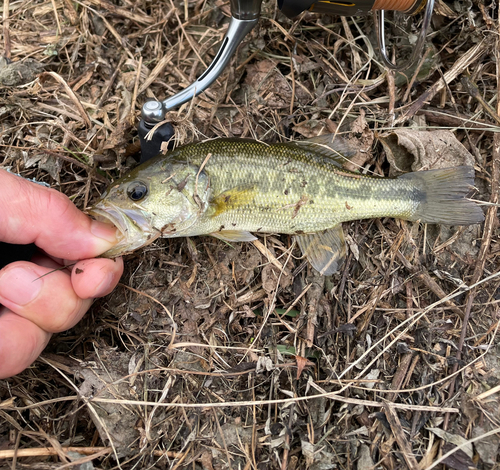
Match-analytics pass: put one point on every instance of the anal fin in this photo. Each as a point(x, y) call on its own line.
point(234, 236)
point(325, 250)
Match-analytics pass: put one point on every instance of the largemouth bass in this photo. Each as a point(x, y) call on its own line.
point(229, 188)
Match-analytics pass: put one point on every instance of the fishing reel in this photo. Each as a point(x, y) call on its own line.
point(244, 16)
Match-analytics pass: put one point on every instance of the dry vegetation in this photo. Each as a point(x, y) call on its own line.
point(215, 356)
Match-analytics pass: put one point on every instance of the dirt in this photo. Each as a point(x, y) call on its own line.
point(211, 355)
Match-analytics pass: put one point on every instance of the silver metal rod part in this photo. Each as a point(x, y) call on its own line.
point(154, 111)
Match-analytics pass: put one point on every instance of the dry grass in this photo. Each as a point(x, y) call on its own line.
point(214, 356)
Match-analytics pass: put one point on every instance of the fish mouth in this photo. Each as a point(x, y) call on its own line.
point(135, 230)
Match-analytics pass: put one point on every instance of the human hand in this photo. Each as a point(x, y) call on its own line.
point(34, 307)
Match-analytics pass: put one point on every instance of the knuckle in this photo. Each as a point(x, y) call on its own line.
point(66, 317)
point(57, 203)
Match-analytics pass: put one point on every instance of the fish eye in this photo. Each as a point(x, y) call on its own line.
point(137, 191)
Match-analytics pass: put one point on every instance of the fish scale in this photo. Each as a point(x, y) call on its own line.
point(284, 178)
point(231, 188)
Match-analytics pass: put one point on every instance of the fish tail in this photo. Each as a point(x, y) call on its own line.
point(442, 196)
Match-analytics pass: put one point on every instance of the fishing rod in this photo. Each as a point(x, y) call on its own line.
point(244, 16)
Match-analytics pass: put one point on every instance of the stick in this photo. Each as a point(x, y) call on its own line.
point(399, 434)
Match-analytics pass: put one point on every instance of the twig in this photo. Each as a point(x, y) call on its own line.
point(443, 119)
point(109, 83)
point(430, 283)
point(356, 63)
point(399, 434)
point(54, 6)
point(228, 455)
point(288, 436)
point(474, 92)
point(270, 257)
point(313, 296)
point(461, 446)
point(71, 94)
point(162, 63)
point(464, 61)
point(392, 97)
point(136, 87)
point(6, 29)
point(415, 74)
point(490, 223)
point(400, 374)
point(174, 325)
point(45, 451)
point(123, 12)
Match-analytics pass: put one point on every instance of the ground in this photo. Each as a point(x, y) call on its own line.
point(213, 355)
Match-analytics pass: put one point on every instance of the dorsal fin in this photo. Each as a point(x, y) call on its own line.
point(324, 250)
point(329, 146)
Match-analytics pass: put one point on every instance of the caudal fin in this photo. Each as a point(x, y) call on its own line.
point(444, 196)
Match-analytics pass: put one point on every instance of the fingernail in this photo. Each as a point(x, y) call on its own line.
point(106, 286)
point(20, 285)
point(104, 231)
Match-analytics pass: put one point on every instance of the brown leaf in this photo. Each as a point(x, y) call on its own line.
point(487, 447)
point(19, 73)
point(271, 277)
point(459, 460)
point(267, 85)
point(411, 150)
point(311, 128)
point(206, 460)
point(301, 363)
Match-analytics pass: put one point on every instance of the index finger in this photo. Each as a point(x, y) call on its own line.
point(34, 214)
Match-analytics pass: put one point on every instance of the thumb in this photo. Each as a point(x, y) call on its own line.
point(34, 214)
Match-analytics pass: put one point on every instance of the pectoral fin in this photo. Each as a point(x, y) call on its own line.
point(233, 198)
point(234, 236)
point(324, 250)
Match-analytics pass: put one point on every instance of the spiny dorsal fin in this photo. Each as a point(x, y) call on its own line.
point(234, 236)
point(329, 146)
point(233, 198)
point(324, 250)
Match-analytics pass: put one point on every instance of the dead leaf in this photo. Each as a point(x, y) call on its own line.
point(308, 452)
point(206, 460)
point(234, 435)
point(265, 84)
point(244, 266)
point(311, 128)
point(19, 73)
point(271, 276)
point(353, 246)
point(365, 461)
point(359, 125)
point(411, 150)
point(453, 439)
point(459, 460)
point(372, 375)
point(301, 363)
point(358, 141)
point(487, 448)
point(317, 456)
point(115, 422)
